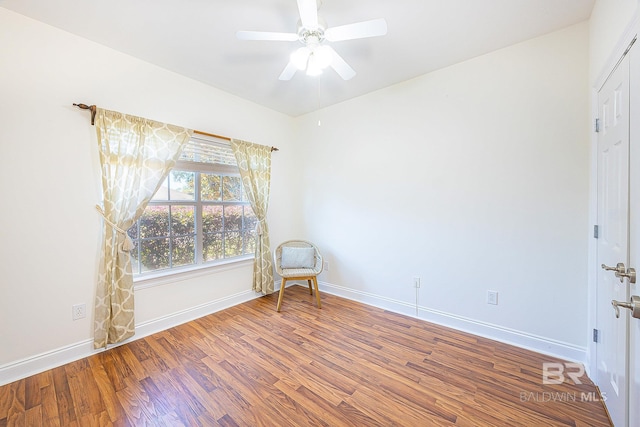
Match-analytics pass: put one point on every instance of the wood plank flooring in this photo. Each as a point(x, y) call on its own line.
point(347, 364)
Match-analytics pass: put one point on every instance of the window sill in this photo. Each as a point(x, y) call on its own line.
point(151, 280)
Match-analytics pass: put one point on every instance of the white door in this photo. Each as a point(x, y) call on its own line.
point(613, 247)
point(634, 233)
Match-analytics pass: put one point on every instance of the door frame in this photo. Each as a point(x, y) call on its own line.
point(614, 143)
point(631, 32)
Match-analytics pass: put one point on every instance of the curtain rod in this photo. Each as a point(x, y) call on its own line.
point(226, 138)
point(92, 108)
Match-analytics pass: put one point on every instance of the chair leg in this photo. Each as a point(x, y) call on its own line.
point(310, 290)
point(315, 283)
point(281, 294)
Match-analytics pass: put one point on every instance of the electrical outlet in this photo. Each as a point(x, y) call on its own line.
point(79, 311)
point(492, 297)
point(325, 265)
point(416, 282)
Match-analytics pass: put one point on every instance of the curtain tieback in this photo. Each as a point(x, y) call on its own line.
point(127, 245)
point(259, 228)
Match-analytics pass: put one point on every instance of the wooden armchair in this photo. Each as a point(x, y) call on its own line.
point(298, 260)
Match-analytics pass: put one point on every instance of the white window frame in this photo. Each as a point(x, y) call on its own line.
point(169, 275)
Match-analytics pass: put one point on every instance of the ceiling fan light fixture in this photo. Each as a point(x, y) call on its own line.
point(322, 56)
point(300, 57)
point(314, 68)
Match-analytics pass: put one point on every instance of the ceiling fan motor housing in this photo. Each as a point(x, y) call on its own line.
point(312, 36)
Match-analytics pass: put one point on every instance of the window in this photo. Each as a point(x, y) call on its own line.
point(199, 215)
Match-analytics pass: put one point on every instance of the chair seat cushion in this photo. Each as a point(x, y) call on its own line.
point(297, 257)
point(298, 272)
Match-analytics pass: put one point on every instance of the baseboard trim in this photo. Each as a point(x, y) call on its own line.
point(514, 337)
point(51, 359)
point(41, 362)
point(162, 323)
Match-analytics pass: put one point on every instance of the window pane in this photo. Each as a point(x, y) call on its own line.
point(212, 247)
point(249, 241)
point(154, 254)
point(135, 264)
point(231, 189)
point(193, 210)
point(133, 231)
point(212, 219)
point(250, 219)
point(183, 251)
point(182, 185)
point(233, 218)
point(210, 187)
point(182, 220)
point(232, 244)
point(163, 192)
point(154, 222)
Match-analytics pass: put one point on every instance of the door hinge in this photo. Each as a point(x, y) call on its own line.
point(597, 125)
point(596, 334)
point(596, 231)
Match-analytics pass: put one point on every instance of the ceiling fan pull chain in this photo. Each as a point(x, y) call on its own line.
point(318, 109)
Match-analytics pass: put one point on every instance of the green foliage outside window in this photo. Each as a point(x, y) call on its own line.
point(166, 236)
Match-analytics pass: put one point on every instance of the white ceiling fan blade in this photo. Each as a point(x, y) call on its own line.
point(343, 69)
point(288, 72)
point(308, 13)
point(264, 35)
point(359, 30)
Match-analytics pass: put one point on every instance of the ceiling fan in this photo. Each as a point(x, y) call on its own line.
point(315, 55)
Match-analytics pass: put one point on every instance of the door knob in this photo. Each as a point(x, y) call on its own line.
point(630, 274)
point(619, 268)
point(633, 305)
point(621, 272)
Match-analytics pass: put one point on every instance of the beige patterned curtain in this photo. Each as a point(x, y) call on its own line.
point(254, 162)
point(136, 155)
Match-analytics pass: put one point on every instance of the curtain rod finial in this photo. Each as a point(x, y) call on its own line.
point(88, 107)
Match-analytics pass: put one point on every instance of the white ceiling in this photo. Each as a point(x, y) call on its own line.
point(196, 38)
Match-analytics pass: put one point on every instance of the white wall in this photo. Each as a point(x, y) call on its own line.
point(609, 20)
point(474, 177)
point(49, 182)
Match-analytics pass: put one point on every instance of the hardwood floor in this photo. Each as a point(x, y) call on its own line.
point(347, 364)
